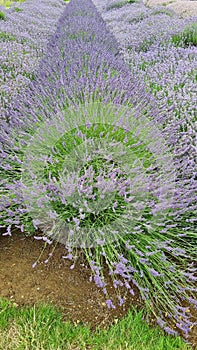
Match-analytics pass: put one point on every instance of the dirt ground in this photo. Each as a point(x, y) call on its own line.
point(53, 282)
point(79, 299)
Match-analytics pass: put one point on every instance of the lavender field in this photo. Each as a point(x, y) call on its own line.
point(98, 148)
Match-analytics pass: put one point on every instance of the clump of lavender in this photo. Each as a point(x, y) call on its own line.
point(88, 160)
point(94, 73)
point(170, 74)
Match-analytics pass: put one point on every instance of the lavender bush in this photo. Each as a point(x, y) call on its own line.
point(87, 158)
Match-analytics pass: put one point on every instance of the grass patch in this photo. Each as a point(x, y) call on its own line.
point(42, 327)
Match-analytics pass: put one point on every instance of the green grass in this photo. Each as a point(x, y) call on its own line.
point(43, 328)
point(8, 3)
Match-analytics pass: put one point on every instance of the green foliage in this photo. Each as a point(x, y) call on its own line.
point(137, 19)
point(29, 75)
point(80, 35)
point(106, 216)
point(164, 11)
point(2, 16)
point(43, 327)
point(4, 36)
point(18, 9)
point(8, 3)
point(187, 37)
point(120, 4)
point(145, 46)
point(7, 36)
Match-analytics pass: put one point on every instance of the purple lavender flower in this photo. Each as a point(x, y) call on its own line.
point(170, 331)
point(110, 304)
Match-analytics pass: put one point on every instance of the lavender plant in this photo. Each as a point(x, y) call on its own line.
point(89, 160)
point(170, 74)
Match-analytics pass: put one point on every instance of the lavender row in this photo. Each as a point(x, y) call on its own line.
point(23, 38)
point(82, 68)
point(145, 37)
point(82, 58)
point(82, 63)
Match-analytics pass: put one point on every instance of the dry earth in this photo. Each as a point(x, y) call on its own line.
point(70, 290)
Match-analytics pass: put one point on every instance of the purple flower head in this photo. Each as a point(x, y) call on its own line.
point(110, 304)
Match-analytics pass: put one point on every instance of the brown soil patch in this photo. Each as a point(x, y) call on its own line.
point(55, 283)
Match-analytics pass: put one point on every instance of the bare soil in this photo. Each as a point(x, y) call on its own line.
point(70, 290)
point(54, 282)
